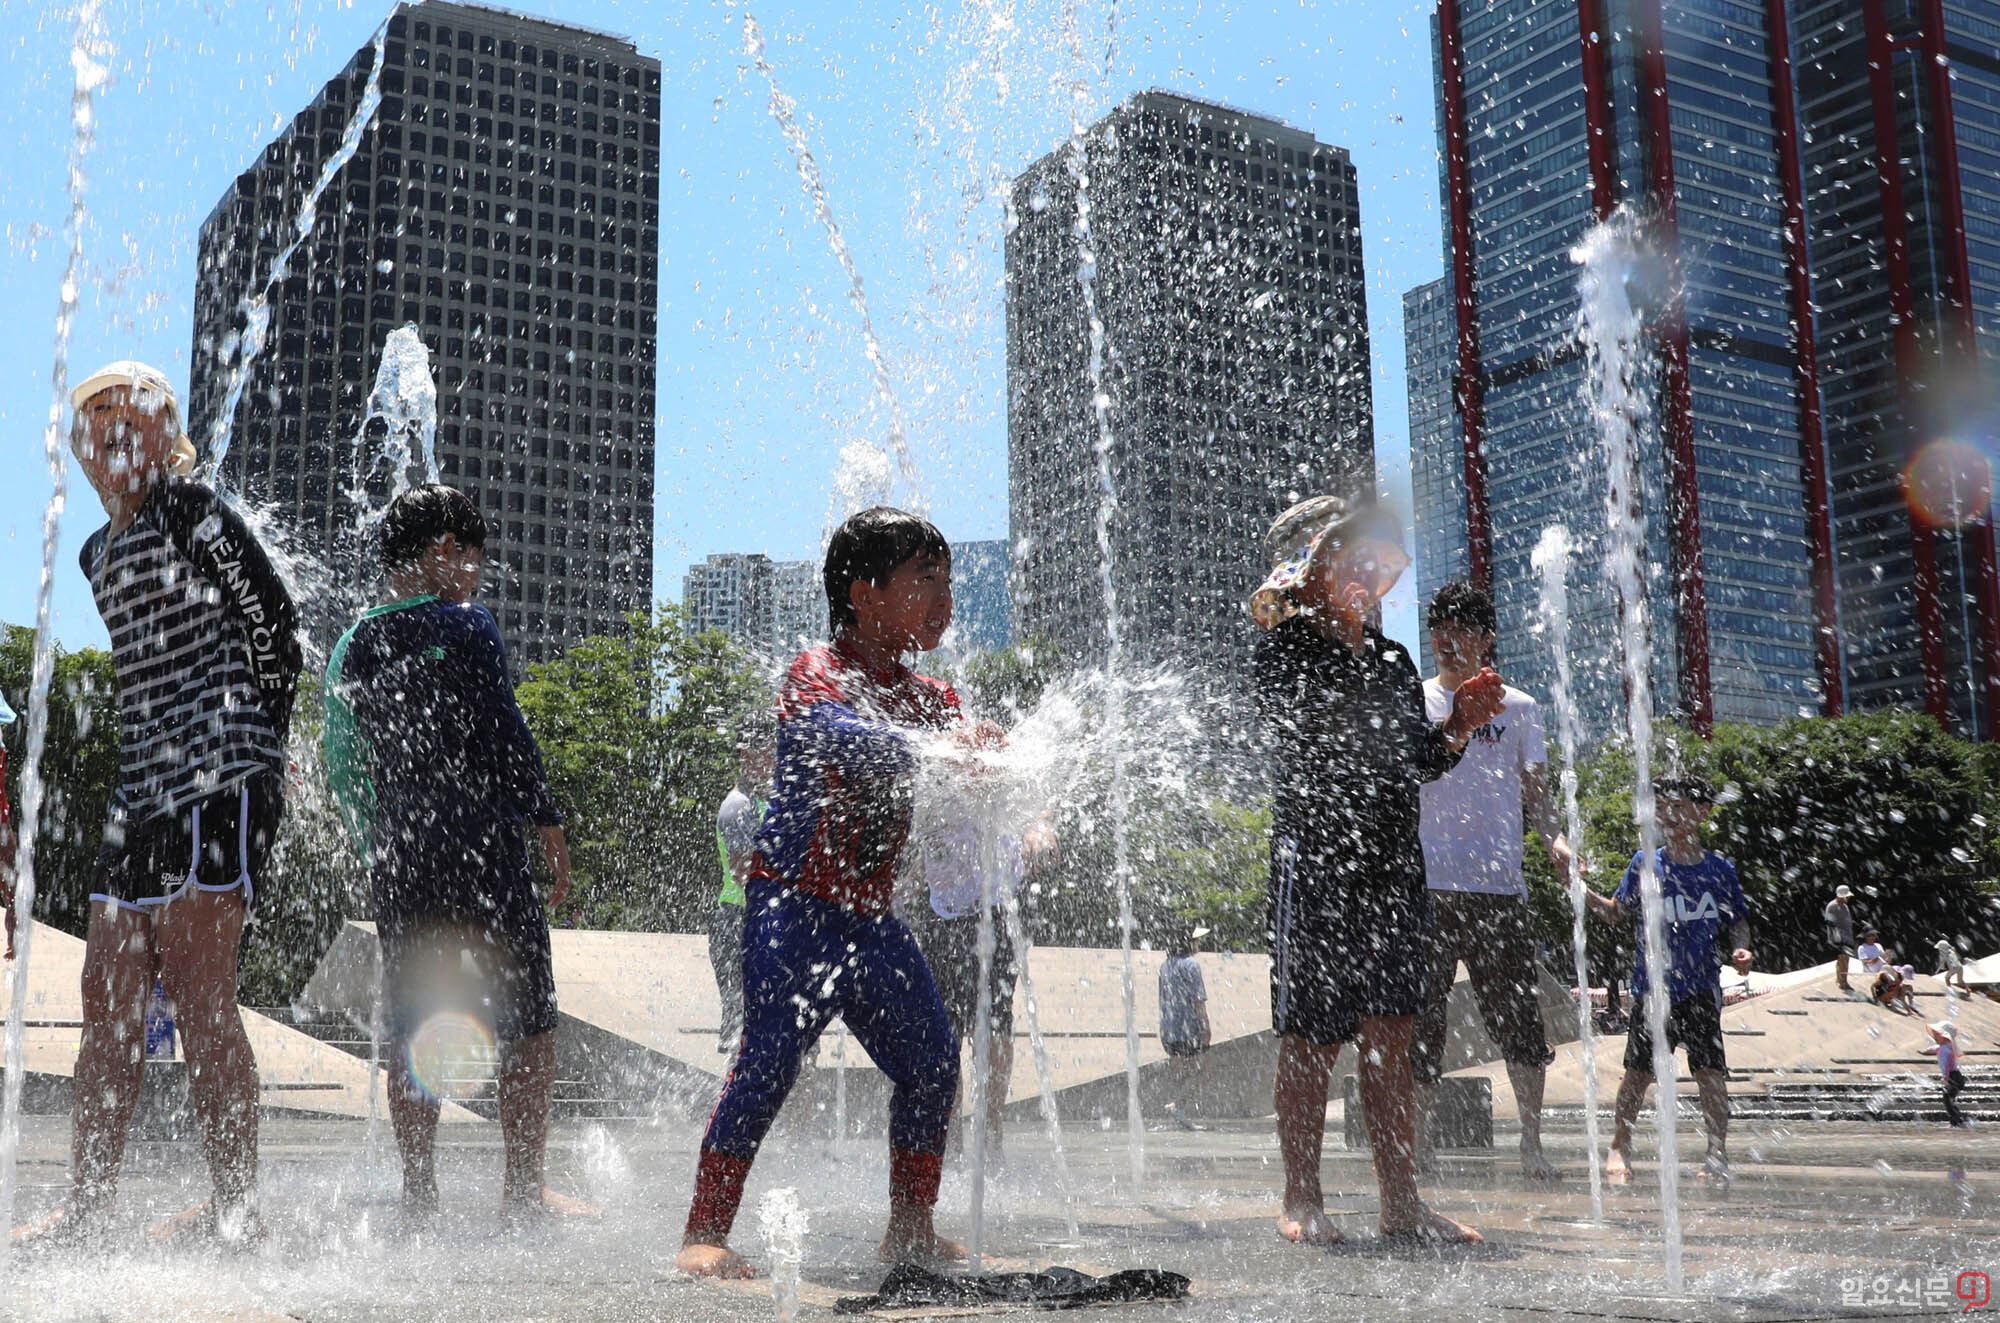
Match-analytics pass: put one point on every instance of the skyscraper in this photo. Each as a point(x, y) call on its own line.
point(981, 619)
point(1552, 114)
point(1437, 448)
point(1228, 282)
point(504, 199)
point(770, 608)
point(1898, 108)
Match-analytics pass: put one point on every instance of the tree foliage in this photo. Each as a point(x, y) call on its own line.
point(636, 733)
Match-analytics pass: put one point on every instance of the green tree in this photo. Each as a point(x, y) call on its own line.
point(1213, 868)
point(79, 768)
point(636, 732)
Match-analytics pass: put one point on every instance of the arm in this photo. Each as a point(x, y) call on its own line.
point(520, 780)
point(555, 849)
point(209, 532)
point(833, 734)
point(1539, 807)
point(1739, 938)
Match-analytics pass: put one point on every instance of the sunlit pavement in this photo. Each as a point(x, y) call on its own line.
point(1822, 1220)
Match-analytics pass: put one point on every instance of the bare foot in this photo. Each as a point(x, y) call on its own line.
point(921, 1247)
point(1308, 1226)
point(1536, 1166)
point(239, 1226)
point(549, 1204)
point(713, 1261)
point(1617, 1165)
point(1714, 1169)
point(60, 1229)
point(1431, 1227)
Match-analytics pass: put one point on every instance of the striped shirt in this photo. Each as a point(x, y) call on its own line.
point(204, 640)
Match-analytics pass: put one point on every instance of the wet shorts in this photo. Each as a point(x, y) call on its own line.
point(1494, 936)
point(1694, 1024)
point(1342, 950)
point(951, 948)
point(217, 843)
point(1183, 1049)
point(499, 975)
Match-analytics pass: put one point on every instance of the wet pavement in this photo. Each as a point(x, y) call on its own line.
point(1823, 1220)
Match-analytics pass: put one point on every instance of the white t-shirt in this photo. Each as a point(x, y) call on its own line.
point(1871, 956)
point(955, 862)
point(1472, 814)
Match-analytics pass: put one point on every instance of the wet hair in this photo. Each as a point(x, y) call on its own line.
point(1180, 942)
point(420, 516)
point(871, 546)
point(1465, 606)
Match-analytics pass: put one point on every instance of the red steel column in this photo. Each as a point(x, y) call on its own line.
point(1965, 336)
point(1597, 107)
point(1470, 383)
point(1805, 360)
point(1902, 318)
point(1690, 594)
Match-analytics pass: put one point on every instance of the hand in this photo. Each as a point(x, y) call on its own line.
point(555, 849)
point(1740, 958)
point(1038, 843)
point(1563, 855)
point(979, 735)
point(1475, 703)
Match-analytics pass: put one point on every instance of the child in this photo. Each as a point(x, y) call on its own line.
point(204, 641)
point(1950, 966)
point(1346, 710)
point(820, 939)
point(736, 824)
point(1185, 1034)
point(441, 781)
point(1871, 953)
point(1944, 1042)
point(1699, 893)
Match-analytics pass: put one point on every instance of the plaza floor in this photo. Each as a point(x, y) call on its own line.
point(1824, 1220)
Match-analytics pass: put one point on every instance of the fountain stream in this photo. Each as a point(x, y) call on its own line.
point(1114, 655)
point(1614, 335)
point(256, 307)
point(1551, 557)
point(87, 56)
point(781, 107)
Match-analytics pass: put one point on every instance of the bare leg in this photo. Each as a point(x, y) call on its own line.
point(1389, 1100)
point(413, 1115)
point(999, 1070)
point(527, 1085)
point(1714, 1089)
point(1300, 1096)
point(1840, 972)
point(118, 964)
point(1427, 1158)
point(1528, 1081)
point(1631, 1093)
point(912, 1238)
point(198, 936)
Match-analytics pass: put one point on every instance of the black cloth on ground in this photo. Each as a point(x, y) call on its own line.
point(908, 1286)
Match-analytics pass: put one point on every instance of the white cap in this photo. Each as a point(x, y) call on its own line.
point(124, 372)
point(140, 376)
point(1841, 893)
point(1199, 933)
point(1947, 1028)
point(1944, 944)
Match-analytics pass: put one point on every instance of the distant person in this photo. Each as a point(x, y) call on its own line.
point(1701, 898)
point(736, 825)
point(1944, 1042)
point(820, 938)
point(1840, 934)
point(1874, 957)
point(1472, 835)
point(1185, 1034)
point(1950, 967)
point(204, 640)
point(964, 862)
point(1894, 988)
point(1344, 708)
point(443, 785)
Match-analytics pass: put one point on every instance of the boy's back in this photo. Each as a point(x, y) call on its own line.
point(428, 749)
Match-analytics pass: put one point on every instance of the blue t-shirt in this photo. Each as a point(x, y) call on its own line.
point(1699, 899)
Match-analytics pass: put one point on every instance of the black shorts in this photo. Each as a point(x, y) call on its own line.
point(1694, 1023)
point(1183, 1049)
point(218, 843)
point(951, 949)
point(1494, 936)
point(1342, 952)
point(434, 909)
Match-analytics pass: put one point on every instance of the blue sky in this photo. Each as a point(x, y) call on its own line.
point(915, 115)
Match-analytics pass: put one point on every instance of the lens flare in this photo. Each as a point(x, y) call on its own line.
point(452, 1055)
point(1949, 484)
